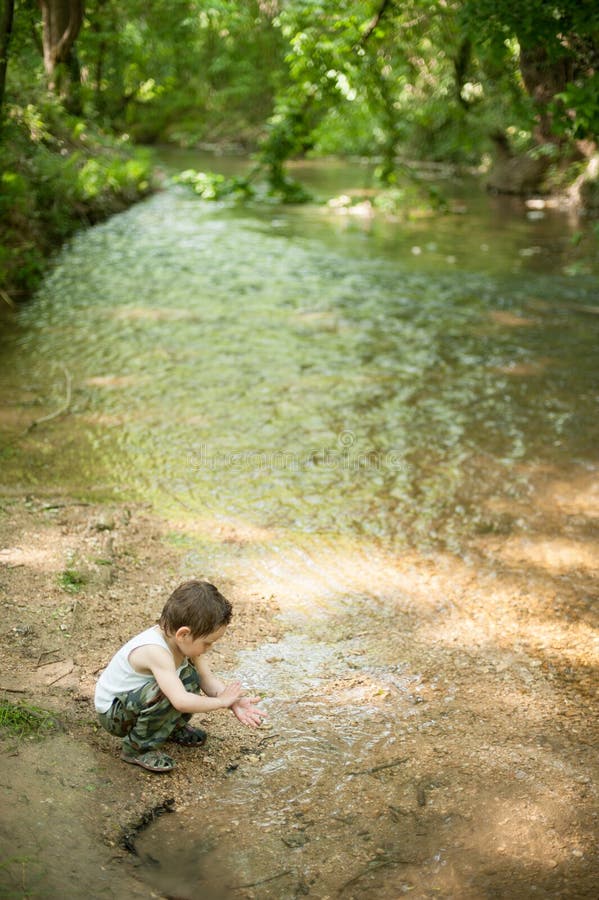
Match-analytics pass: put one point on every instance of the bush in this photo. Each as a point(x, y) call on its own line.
point(58, 174)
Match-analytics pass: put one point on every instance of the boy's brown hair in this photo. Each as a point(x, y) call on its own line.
point(196, 605)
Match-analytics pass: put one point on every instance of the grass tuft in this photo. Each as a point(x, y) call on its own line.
point(71, 580)
point(23, 720)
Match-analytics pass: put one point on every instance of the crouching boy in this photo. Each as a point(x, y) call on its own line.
point(160, 678)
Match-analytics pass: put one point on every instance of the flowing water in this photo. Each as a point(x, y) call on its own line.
point(319, 381)
point(252, 361)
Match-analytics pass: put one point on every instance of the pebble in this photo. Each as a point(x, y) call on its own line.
point(103, 524)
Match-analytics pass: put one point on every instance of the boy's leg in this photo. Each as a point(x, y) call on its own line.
point(183, 733)
point(122, 718)
point(155, 717)
point(145, 718)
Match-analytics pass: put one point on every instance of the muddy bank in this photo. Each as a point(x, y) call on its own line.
point(75, 579)
point(430, 716)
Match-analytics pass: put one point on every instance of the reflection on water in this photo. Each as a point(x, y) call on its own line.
point(309, 777)
point(253, 362)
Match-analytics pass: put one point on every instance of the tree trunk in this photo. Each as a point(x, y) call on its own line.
point(543, 79)
point(584, 192)
point(98, 27)
point(61, 23)
point(461, 64)
point(6, 19)
point(515, 173)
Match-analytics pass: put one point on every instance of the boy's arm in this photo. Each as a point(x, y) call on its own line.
point(211, 685)
point(244, 708)
point(160, 663)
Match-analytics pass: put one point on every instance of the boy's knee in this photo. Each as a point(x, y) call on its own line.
point(150, 695)
point(117, 720)
point(144, 698)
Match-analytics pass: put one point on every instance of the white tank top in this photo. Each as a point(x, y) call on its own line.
point(119, 675)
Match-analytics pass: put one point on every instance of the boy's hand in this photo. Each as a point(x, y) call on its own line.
point(247, 712)
point(231, 693)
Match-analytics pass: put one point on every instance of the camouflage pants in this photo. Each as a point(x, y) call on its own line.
point(145, 718)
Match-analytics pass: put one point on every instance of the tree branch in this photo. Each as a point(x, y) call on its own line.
point(72, 30)
point(375, 22)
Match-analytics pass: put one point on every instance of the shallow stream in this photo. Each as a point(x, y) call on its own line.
point(251, 361)
point(327, 383)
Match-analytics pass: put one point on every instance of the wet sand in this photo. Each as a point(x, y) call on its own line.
point(431, 726)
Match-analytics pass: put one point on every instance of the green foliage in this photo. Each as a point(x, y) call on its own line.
point(580, 100)
point(563, 39)
point(425, 79)
point(211, 186)
point(385, 81)
point(58, 174)
point(181, 70)
point(288, 190)
point(99, 177)
point(552, 25)
point(25, 720)
point(71, 581)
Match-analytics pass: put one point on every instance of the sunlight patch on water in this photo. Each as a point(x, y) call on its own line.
point(293, 381)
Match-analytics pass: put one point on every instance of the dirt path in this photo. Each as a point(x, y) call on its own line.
point(431, 716)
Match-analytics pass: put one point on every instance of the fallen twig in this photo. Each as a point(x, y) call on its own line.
point(379, 768)
point(58, 412)
point(174, 497)
point(65, 505)
point(372, 866)
point(268, 737)
point(60, 677)
point(53, 662)
point(593, 310)
point(45, 653)
point(8, 299)
point(397, 812)
point(251, 884)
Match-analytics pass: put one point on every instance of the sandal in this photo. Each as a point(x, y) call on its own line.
point(152, 760)
point(188, 736)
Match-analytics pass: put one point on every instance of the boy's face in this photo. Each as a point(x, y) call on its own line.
point(191, 646)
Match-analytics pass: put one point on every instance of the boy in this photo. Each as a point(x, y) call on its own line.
point(151, 687)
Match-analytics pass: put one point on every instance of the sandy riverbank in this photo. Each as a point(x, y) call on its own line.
point(502, 643)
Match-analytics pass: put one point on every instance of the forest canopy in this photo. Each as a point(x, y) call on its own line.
point(511, 86)
point(440, 79)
